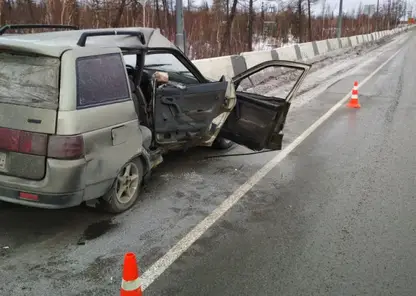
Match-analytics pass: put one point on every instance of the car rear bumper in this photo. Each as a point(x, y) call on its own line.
point(62, 187)
point(61, 176)
point(45, 201)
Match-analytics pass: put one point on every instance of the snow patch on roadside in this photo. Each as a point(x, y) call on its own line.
point(326, 70)
point(269, 43)
point(327, 75)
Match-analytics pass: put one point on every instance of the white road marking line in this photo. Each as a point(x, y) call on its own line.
point(155, 270)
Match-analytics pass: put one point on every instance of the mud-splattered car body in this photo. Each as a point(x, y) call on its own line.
point(80, 124)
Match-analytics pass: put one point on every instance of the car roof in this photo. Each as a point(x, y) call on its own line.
point(56, 43)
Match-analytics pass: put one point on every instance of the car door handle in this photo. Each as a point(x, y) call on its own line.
point(171, 102)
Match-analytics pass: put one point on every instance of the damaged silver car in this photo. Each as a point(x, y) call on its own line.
point(78, 123)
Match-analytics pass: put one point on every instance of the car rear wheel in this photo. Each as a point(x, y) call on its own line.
point(126, 188)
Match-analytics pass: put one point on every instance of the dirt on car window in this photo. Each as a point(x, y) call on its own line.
point(29, 80)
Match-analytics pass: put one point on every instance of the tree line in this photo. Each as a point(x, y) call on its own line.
point(226, 27)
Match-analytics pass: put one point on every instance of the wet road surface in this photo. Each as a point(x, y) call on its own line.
point(333, 218)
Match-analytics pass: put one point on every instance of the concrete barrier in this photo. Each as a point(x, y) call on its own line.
point(334, 44)
point(322, 46)
point(307, 51)
point(232, 65)
point(345, 42)
point(289, 53)
point(353, 41)
point(214, 68)
point(253, 58)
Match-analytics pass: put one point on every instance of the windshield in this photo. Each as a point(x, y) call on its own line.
point(29, 80)
point(165, 62)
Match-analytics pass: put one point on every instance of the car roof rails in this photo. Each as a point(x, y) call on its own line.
point(35, 26)
point(83, 38)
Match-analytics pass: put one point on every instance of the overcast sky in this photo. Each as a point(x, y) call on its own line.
point(349, 5)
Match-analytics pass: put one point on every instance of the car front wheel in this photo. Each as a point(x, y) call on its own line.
point(222, 144)
point(126, 188)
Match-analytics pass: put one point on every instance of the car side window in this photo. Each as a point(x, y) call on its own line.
point(270, 81)
point(167, 62)
point(101, 80)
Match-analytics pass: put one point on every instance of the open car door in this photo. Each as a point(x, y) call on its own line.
point(184, 114)
point(263, 94)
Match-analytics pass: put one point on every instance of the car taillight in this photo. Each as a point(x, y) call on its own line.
point(66, 147)
point(23, 142)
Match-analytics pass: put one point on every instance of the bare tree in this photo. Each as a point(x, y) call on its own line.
point(388, 14)
point(250, 26)
point(227, 34)
point(120, 10)
point(299, 23)
point(309, 21)
point(209, 31)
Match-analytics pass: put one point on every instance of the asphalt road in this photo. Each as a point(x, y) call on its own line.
point(335, 217)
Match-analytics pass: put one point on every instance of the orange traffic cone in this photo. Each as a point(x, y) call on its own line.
point(353, 103)
point(130, 284)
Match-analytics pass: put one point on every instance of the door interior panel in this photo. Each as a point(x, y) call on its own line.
point(252, 121)
point(257, 120)
point(188, 110)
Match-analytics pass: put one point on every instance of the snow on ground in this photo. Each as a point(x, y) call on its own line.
point(260, 43)
point(336, 68)
point(269, 43)
point(324, 72)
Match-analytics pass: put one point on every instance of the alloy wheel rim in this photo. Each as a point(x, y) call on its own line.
point(127, 183)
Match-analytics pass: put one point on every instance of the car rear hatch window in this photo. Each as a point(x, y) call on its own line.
point(29, 97)
point(29, 80)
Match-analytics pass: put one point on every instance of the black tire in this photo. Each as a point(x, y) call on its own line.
point(111, 202)
point(222, 144)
